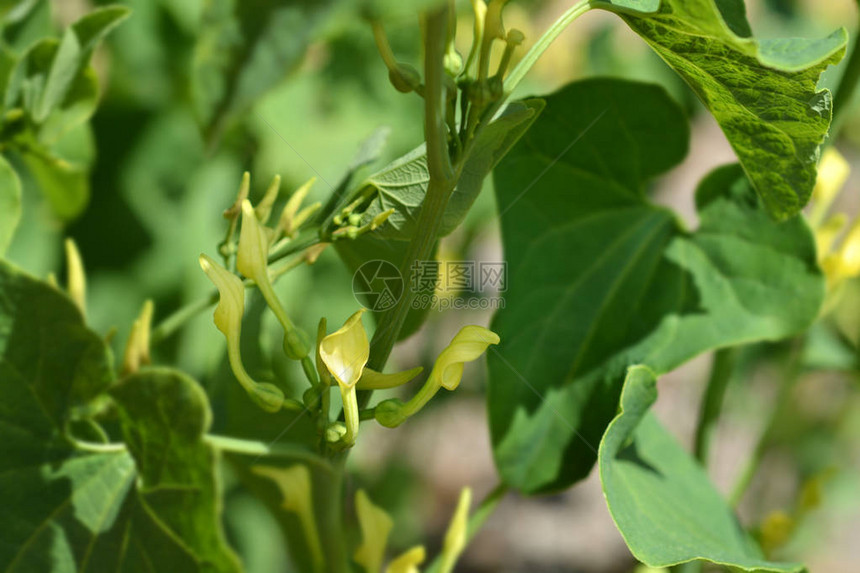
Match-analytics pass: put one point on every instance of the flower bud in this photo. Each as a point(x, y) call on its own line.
point(404, 78)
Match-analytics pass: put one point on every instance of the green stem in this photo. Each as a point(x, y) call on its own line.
point(260, 449)
point(712, 403)
point(783, 399)
point(539, 47)
point(439, 190)
point(477, 519)
point(328, 501)
point(847, 84)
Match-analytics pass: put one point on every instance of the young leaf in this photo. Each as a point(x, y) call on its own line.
point(601, 279)
point(661, 499)
point(73, 54)
point(402, 184)
point(762, 93)
point(10, 203)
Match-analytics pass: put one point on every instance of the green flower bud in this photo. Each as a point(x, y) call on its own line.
point(389, 413)
point(404, 78)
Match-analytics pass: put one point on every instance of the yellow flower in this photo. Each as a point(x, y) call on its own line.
point(291, 219)
point(375, 526)
point(776, 530)
point(345, 353)
point(455, 537)
point(264, 208)
point(252, 261)
point(77, 279)
point(467, 345)
point(408, 561)
point(295, 485)
point(228, 319)
point(137, 348)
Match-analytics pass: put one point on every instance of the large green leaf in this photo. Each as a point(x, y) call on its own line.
point(67, 508)
point(600, 279)
point(10, 203)
point(762, 93)
point(165, 415)
point(402, 184)
point(244, 49)
point(661, 498)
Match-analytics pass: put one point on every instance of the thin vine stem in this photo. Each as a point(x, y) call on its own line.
point(258, 449)
point(712, 402)
point(439, 188)
point(793, 369)
point(525, 64)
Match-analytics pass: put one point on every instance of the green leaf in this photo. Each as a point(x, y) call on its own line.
point(65, 184)
point(95, 509)
point(600, 279)
point(402, 184)
point(243, 50)
point(762, 93)
point(73, 54)
point(661, 499)
point(165, 415)
point(10, 203)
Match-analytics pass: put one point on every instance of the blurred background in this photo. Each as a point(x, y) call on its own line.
point(194, 92)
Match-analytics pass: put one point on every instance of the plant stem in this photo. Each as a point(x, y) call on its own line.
point(783, 398)
point(259, 449)
point(712, 402)
point(439, 189)
point(848, 83)
point(477, 519)
point(539, 47)
point(328, 500)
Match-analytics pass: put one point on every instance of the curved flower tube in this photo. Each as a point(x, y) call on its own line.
point(467, 345)
point(373, 380)
point(228, 319)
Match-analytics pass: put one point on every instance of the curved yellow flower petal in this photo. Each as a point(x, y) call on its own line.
point(252, 257)
point(228, 319)
point(231, 305)
point(466, 346)
point(375, 526)
point(408, 561)
point(346, 351)
point(77, 278)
